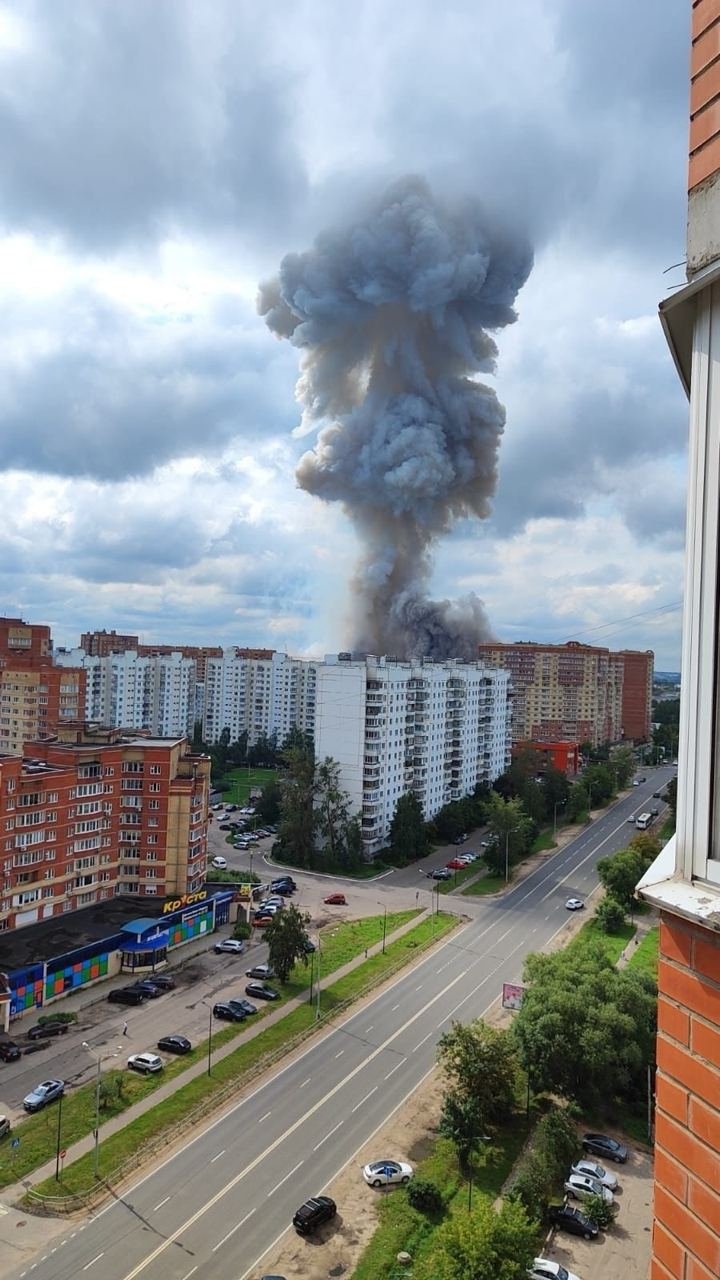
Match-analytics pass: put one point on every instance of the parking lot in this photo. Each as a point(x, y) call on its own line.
point(622, 1252)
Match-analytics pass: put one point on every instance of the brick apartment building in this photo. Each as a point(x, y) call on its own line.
point(90, 812)
point(35, 696)
point(576, 692)
point(684, 882)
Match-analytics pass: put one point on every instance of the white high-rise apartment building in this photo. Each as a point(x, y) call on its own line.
point(126, 691)
point(434, 728)
point(260, 696)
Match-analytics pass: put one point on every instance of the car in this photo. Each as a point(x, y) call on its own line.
point(642, 778)
point(44, 1029)
point(335, 900)
point(260, 890)
point(126, 995)
point(387, 1173)
point(175, 1044)
point(546, 1269)
point(148, 988)
point(234, 945)
point(261, 991)
point(599, 1144)
point(282, 882)
point(461, 839)
point(572, 1220)
point(308, 946)
point(636, 782)
point(164, 981)
point(596, 1171)
point(219, 863)
point(631, 819)
point(574, 904)
point(455, 864)
point(43, 1093)
point(262, 971)
point(468, 857)
point(273, 901)
point(654, 811)
point(657, 795)
point(4, 1126)
point(263, 918)
point(582, 1187)
point(252, 837)
point(245, 1006)
point(228, 1012)
point(215, 807)
point(225, 826)
point(313, 1213)
point(232, 808)
point(440, 873)
point(9, 1051)
point(146, 1063)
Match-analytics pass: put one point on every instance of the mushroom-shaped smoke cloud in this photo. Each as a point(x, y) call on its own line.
point(392, 314)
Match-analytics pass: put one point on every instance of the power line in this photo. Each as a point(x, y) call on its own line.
point(615, 622)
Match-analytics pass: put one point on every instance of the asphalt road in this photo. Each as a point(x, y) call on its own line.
point(217, 1206)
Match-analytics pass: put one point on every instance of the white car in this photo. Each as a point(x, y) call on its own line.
point(387, 1173)
point(574, 904)
point(145, 1062)
point(546, 1269)
point(219, 863)
point(592, 1170)
point(230, 944)
point(581, 1187)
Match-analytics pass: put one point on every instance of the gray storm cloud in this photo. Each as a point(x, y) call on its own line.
point(392, 315)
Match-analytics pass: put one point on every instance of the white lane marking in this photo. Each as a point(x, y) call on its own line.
point(422, 984)
point(265, 1117)
point(232, 1231)
point(190, 1273)
point(422, 1042)
point(340, 1054)
point(302, 1086)
point(328, 1135)
point(395, 1006)
point(397, 1066)
point(94, 1260)
point(368, 1029)
point(363, 1100)
point(217, 1157)
point(287, 1175)
point(160, 1205)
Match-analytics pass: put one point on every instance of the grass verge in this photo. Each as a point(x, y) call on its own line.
point(591, 935)
point(459, 877)
point(543, 840)
point(78, 1176)
point(486, 884)
point(645, 956)
point(243, 781)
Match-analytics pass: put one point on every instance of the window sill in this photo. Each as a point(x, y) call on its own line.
point(695, 900)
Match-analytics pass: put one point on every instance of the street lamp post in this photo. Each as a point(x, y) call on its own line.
point(384, 927)
point(555, 809)
point(317, 1007)
point(98, 1065)
point(57, 1144)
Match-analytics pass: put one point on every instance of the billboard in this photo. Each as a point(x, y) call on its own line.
point(512, 995)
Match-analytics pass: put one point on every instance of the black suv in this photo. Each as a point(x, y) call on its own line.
point(572, 1220)
point(313, 1213)
point(229, 1012)
point(44, 1029)
point(9, 1051)
point(126, 995)
point(285, 885)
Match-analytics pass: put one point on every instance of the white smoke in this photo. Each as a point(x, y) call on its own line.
point(392, 314)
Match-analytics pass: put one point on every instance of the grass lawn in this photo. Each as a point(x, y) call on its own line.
point(366, 870)
point(402, 1227)
point(645, 957)
point(612, 943)
point(78, 1109)
point(543, 840)
point(242, 781)
point(458, 877)
point(486, 884)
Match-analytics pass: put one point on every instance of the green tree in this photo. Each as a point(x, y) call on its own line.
point(332, 813)
point(671, 797)
point(506, 820)
point(622, 761)
point(268, 807)
point(480, 1063)
point(296, 835)
point(557, 789)
point(610, 915)
point(577, 802)
point(619, 874)
point(482, 1245)
point(286, 937)
point(408, 835)
point(462, 1120)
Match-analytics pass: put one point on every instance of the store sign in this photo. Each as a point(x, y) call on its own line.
point(243, 893)
point(187, 900)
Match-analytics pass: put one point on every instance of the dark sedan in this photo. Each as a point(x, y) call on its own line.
point(45, 1029)
point(164, 981)
point(245, 1006)
point(175, 1044)
point(440, 873)
point(608, 1148)
point(9, 1051)
point(228, 1013)
point(149, 989)
point(572, 1220)
point(261, 991)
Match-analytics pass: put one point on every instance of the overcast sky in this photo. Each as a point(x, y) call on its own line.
point(157, 160)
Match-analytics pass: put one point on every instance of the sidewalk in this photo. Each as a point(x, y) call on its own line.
point(15, 1191)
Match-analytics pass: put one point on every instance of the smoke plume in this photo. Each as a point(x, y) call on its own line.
point(392, 314)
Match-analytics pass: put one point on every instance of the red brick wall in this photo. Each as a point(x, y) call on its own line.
point(686, 1234)
point(704, 91)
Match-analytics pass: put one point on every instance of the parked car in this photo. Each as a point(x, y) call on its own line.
point(282, 883)
point(461, 839)
point(126, 995)
point(4, 1126)
point(582, 1187)
point(592, 1170)
point(46, 1029)
point(455, 864)
point(262, 971)
point(546, 1269)
point(232, 808)
point(234, 945)
point(228, 1012)
point(263, 918)
point(440, 873)
point(313, 1213)
point(149, 988)
point(225, 826)
point(308, 945)
point(146, 1063)
point(245, 1006)
point(164, 981)
point(261, 991)
point(335, 900)
point(175, 1044)
point(9, 1051)
point(387, 1173)
point(574, 904)
point(44, 1093)
point(572, 1220)
point(219, 863)
point(599, 1144)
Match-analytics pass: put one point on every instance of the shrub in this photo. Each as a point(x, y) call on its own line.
point(556, 1141)
point(242, 930)
point(57, 1017)
point(610, 915)
point(531, 1186)
point(425, 1196)
point(599, 1211)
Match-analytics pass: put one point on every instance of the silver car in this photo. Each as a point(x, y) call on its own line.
point(590, 1169)
point(44, 1093)
point(581, 1187)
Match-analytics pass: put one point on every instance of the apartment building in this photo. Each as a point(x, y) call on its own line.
point(436, 729)
point(101, 644)
point(127, 690)
point(269, 694)
point(575, 691)
point(25, 640)
point(684, 882)
point(89, 813)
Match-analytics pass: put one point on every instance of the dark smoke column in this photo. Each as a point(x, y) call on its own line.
point(392, 314)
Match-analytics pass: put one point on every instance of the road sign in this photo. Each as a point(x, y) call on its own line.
point(15, 1142)
point(63, 1154)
